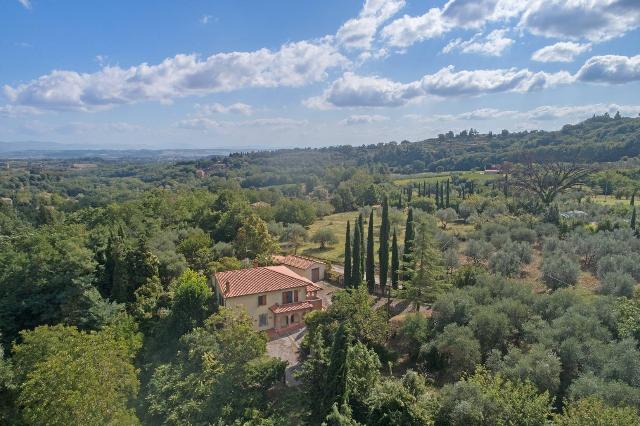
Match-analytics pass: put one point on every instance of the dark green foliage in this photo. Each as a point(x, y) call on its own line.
point(409, 237)
point(336, 389)
point(356, 272)
point(347, 257)
point(395, 261)
point(383, 254)
point(362, 246)
point(370, 266)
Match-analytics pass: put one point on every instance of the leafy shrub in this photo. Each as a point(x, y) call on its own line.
point(521, 249)
point(559, 271)
point(523, 234)
point(505, 263)
point(617, 284)
point(478, 251)
point(500, 240)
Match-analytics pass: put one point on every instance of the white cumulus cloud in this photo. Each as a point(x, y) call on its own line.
point(353, 120)
point(293, 65)
point(564, 51)
point(217, 108)
point(359, 33)
point(613, 69)
point(493, 44)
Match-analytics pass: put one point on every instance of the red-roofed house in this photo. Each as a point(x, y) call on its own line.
point(274, 296)
point(309, 268)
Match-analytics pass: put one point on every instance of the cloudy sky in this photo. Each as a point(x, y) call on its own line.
point(274, 73)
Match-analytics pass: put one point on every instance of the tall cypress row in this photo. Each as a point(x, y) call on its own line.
point(383, 253)
point(356, 272)
point(361, 226)
point(371, 261)
point(395, 261)
point(347, 257)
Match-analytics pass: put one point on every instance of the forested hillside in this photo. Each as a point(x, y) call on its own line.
point(454, 297)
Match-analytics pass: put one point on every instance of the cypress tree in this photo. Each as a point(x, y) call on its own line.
point(409, 194)
point(347, 257)
point(442, 205)
point(437, 194)
point(400, 201)
point(633, 199)
point(371, 262)
point(633, 218)
point(361, 226)
point(383, 253)
point(447, 204)
point(409, 237)
point(336, 387)
point(395, 261)
point(428, 189)
point(356, 274)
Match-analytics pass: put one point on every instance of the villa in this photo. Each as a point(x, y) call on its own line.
point(275, 297)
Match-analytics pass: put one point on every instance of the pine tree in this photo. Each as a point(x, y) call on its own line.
point(356, 274)
point(395, 261)
point(447, 203)
point(361, 226)
point(383, 253)
point(371, 262)
point(347, 257)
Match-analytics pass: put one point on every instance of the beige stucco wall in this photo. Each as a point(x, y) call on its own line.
point(307, 272)
point(250, 304)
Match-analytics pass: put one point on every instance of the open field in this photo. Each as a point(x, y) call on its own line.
point(338, 224)
point(432, 177)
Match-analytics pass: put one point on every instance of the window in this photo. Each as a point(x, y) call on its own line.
point(262, 300)
point(287, 297)
point(263, 319)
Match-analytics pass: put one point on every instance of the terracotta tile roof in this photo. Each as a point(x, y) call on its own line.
point(259, 280)
point(313, 287)
point(296, 261)
point(290, 307)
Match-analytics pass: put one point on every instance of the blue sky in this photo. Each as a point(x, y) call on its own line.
point(233, 73)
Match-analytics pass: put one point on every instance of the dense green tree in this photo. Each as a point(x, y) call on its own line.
point(192, 302)
point(452, 353)
point(68, 377)
point(220, 371)
point(197, 248)
point(43, 274)
point(395, 261)
point(295, 211)
point(371, 261)
point(593, 412)
point(383, 250)
point(356, 272)
point(253, 240)
point(483, 399)
point(347, 258)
